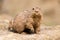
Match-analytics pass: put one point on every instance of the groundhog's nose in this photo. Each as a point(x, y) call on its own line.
point(36, 11)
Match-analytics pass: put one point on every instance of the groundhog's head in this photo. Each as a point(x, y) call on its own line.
point(37, 15)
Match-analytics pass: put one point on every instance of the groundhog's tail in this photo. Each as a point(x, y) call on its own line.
point(12, 30)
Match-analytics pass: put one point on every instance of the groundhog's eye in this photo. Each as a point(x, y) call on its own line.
point(32, 8)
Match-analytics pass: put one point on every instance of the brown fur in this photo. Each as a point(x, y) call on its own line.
point(29, 20)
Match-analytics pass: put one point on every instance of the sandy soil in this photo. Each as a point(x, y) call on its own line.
point(46, 33)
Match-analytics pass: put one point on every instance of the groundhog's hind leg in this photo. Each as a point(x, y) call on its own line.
point(29, 28)
point(28, 31)
point(29, 25)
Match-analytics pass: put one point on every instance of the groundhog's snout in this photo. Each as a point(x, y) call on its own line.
point(36, 11)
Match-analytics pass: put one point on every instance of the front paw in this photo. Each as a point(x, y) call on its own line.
point(37, 31)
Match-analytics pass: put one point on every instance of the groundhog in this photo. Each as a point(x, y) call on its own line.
point(27, 21)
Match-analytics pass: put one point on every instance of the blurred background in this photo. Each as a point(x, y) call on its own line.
point(50, 9)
